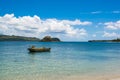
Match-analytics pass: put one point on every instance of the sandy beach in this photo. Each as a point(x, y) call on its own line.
point(66, 77)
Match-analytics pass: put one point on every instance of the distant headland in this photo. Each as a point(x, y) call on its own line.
point(50, 39)
point(22, 38)
point(113, 40)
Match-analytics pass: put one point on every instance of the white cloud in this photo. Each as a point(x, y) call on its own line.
point(117, 12)
point(113, 34)
point(96, 12)
point(94, 35)
point(34, 26)
point(112, 25)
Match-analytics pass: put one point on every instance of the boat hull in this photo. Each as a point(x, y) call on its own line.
point(39, 49)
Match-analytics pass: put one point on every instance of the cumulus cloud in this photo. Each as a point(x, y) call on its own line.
point(113, 34)
point(35, 26)
point(113, 25)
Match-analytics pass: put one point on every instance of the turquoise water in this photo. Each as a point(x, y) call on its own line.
point(65, 58)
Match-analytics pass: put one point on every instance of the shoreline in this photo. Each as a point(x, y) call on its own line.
point(63, 77)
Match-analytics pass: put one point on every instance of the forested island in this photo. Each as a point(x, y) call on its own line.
point(113, 40)
point(50, 39)
point(22, 38)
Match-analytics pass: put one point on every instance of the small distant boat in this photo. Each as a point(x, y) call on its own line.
point(42, 49)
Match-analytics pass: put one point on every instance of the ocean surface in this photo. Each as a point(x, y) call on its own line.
point(65, 59)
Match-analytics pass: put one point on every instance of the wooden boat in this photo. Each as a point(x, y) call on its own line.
point(42, 49)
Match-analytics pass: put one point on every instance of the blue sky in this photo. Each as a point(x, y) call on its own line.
point(103, 17)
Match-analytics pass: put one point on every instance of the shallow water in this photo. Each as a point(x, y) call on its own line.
point(65, 59)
